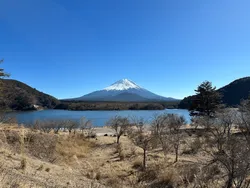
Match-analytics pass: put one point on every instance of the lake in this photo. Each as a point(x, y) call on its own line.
point(98, 118)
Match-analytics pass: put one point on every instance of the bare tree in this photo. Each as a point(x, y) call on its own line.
point(86, 127)
point(160, 132)
point(166, 128)
point(57, 125)
point(44, 126)
point(71, 125)
point(175, 123)
point(244, 119)
point(120, 125)
point(141, 137)
point(228, 148)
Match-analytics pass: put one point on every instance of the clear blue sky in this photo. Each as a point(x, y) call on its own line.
point(68, 48)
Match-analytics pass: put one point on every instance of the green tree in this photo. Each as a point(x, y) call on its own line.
point(2, 73)
point(206, 101)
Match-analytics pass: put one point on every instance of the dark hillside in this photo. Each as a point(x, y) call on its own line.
point(16, 95)
point(232, 94)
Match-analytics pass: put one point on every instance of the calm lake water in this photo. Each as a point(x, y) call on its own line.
point(98, 118)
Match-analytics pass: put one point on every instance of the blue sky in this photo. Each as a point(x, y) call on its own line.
point(70, 48)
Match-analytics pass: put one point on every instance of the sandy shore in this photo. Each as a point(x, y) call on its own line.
point(101, 131)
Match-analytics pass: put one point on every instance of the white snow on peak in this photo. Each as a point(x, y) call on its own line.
point(123, 84)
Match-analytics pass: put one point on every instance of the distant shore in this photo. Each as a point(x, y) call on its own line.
point(101, 105)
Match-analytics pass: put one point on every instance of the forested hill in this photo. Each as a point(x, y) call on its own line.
point(232, 94)
point(16, 95)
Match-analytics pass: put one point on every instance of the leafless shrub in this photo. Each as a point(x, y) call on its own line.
point(13, 139)
point(71, 125)
point(147, 175)
point(44, 126)
point(42, 146)
point(226, 148)
point(47, 126)
point(86, 127)
point(4, 119)
point(142, 138)
point(165, 180)
point(188, 173)
point(194, 147)
point(114, 182)
point(166, 128)
point(23, 164)
point(207, 176)
point(120, 125)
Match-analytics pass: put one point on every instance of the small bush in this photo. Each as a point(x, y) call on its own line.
point(208, 173)
point(40, 168)
point(23, 164)
point(47, 169)
point(13, 139)
point(147, 175)
point(120, 152)
point(162, 184)
point(137, 164)
point(114, 183)
point(188, 173)
point(194, 147)
point(42, 146)
point(72, 145)
point(98, 176)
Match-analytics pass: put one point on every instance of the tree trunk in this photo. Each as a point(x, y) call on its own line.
point(118, 139)
point(230, 181)
point(144, 159)
point(176, 154)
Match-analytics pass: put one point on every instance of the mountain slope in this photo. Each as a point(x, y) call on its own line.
point(16, 95)
point(232, 94)
point(123, 90)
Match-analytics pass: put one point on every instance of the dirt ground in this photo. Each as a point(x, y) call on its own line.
point(49, 160)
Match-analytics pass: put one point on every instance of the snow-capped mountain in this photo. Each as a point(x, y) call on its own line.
point(123, 84)
point(123, 90)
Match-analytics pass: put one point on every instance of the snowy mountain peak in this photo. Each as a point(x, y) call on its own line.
point(123, 84)
point(123, 90)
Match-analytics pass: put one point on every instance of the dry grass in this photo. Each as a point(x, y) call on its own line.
point(137, 164)
point(74, 161)
point(28, 158)
point(73, 145)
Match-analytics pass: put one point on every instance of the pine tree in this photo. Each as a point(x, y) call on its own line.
point(206, 101)
point(2, 73)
